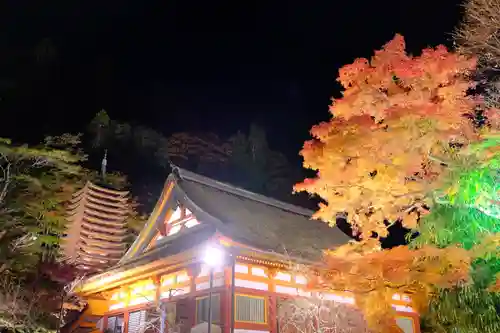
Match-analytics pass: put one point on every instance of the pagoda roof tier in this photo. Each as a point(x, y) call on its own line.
point(99, 205)
point(89, 267)
point(112, 192)
point(86, 191)
point(102, 243)
point(106, 197)
point(113, 251)
point(99, 228)
point(78, 193)
point(119, 202)
point(106, 207)
point(89, 187)
point(96, 257)
point(101, 236)
point(99, 199)
point(102, 205)
point(106, 200)
point(85, 260)
point(108, 191)
point(97, 213)
point(68, 242)
point(118, 223)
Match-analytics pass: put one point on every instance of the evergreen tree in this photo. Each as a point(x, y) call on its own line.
point(35, 183)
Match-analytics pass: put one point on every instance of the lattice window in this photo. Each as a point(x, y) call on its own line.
point(406, 324)
point(180, 219)
point(250, 309)
point(136, 321)
point(202, 305)
point(115, 324)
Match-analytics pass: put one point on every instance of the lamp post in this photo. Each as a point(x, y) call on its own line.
point(213, 257)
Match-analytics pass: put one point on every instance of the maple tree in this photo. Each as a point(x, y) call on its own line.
point(398, 141)
point(374, 276)
point(382, 151)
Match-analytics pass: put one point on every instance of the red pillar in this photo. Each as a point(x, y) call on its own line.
point(226, 301)
point(226, 311)
point(272, 319)
point(272, 314)
point(125, 321)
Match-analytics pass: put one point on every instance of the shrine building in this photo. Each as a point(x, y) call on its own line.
point(204, 232)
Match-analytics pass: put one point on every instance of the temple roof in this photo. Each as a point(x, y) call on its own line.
point(257, 226)
point(259, 221)
point(246, 217)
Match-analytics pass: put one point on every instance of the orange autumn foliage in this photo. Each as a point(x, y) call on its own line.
point(373, 277)
point(496, 286)
point(382, 150)
point(385, 148)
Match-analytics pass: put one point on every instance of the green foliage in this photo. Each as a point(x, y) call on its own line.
point(474, 180)
point(35, 186)
point(447, 225)
point(465, 309)
point(115, 180)
point(106, 133)
point(243, 159)
point(35, 183)
point(468, 209)
point(253, 165)
point(467, 212)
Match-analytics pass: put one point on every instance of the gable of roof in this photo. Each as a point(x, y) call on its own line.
point(260, 221)
point(159, 211)
point(243, 216)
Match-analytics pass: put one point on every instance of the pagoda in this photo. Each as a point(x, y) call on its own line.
point(97, 229)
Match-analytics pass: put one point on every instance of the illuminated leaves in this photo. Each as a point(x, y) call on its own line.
point(389, 136)
point(400, 141)
point(375, 276)
point(493, 116)
point(496, 286)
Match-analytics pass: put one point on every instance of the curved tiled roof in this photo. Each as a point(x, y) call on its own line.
point(259, 221)
point(257, 224)
point(252, 219)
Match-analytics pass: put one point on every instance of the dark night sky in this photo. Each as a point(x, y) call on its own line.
point(199, 65)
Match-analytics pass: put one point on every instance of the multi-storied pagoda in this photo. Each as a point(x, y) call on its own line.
point(96, 232)
point(246, 252)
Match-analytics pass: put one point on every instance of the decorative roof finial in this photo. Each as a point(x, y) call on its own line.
point(104, 163)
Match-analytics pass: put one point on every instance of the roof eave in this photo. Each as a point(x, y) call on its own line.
point(140, 264)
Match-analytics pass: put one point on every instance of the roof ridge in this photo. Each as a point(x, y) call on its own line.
point(189, 175)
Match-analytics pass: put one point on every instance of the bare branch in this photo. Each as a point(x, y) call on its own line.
point(7, 179)
point(315, 315)
point(21, 242)
point(478, 34)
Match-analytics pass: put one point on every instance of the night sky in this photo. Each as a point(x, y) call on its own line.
point(195, 65)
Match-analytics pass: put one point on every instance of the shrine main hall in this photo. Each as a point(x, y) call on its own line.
point(207, 240)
